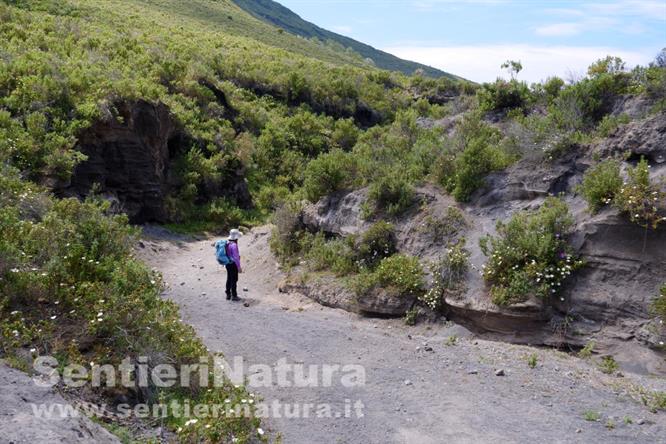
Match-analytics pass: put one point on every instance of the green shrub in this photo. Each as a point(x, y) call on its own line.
point(329, 173)
point(335, 255)
point(391, 194)
point(660, 303)
point(71, 288)
point(639, 197)
point(601, 184)
point(583, 104)
point(345, 134)
point(399, 274)
point(476, 151)
point(503, 95)
point(610, 123)
point(530, 255)
point(608, 365)
point(378, 242)
point(285, 240)
point(411, 316)
point(473, 164)
point(450, 224)
point(448, 276)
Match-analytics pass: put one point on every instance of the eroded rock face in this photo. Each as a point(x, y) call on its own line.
point(645, 137)
point(131, 158)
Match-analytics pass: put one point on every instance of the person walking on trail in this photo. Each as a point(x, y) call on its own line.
point(229, 256)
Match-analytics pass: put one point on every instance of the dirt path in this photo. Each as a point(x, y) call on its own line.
point(413, 393)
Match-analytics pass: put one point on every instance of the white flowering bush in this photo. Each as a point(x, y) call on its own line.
point(70, 287)
point(638, 197)
point(530, 255)
point(448, 276)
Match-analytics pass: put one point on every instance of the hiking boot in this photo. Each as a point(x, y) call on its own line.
point(228, 296)
point(235, 299)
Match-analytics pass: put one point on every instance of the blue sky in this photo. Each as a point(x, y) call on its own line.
point(472, 38)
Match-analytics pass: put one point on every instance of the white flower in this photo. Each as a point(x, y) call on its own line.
point(260, 431)
point(32, 350)
point(53, 317)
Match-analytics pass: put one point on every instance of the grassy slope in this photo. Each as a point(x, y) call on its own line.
point(225, 17)
point(280, 16)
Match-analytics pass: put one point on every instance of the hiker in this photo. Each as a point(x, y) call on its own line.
point(228, 255)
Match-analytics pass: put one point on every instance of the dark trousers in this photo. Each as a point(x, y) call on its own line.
point(232, 280)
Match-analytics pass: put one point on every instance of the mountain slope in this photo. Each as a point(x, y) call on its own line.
point(283, 17)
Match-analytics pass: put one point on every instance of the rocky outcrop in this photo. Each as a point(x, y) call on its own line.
point(530, 179)
point(131, 156)
point(19, 395)
point(329, 292)
point(608, 301)
point(645, 137)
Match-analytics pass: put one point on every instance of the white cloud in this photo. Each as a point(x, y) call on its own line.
point(560, 29)
point(604, 16)
point(482, 63)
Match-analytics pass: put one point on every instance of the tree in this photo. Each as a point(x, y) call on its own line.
point(660, 60)
point(608, 65)
point(513, 67)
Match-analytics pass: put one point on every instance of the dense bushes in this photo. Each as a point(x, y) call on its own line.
point(638, 197)
point(476, 152)
point(530, 255)
point(376, 243)
point(504, 95)
point(600, 184)
point(70, 287)
point(399, 274)
point(391, 194)
point(285, 240)
point(448, 276)
point(329, 173)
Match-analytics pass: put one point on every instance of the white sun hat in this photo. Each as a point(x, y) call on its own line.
point(235, 234)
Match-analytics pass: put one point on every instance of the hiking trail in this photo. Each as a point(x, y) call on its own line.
point(420, 385)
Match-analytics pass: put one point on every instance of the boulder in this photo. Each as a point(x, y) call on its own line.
point(338, 214)
point(384, 302)
point(19, 395)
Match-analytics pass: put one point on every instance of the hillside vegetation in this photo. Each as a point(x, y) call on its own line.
point(284, 18)
point(293, 120)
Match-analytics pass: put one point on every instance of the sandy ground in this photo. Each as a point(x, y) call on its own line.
point(417, 388)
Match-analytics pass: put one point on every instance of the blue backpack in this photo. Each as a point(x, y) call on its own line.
point(221, 252)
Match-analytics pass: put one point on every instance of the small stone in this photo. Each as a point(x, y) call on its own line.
point(428, 348)
point(418, 349)
point(408, 382)
point(182, 283)
point(246, 304)
point(578, 430)
point(203, 294)
point(472, 371)
point(142, 245)
point(640, 421)
point(409, 336)
point(245, 289)
point(499, 372)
